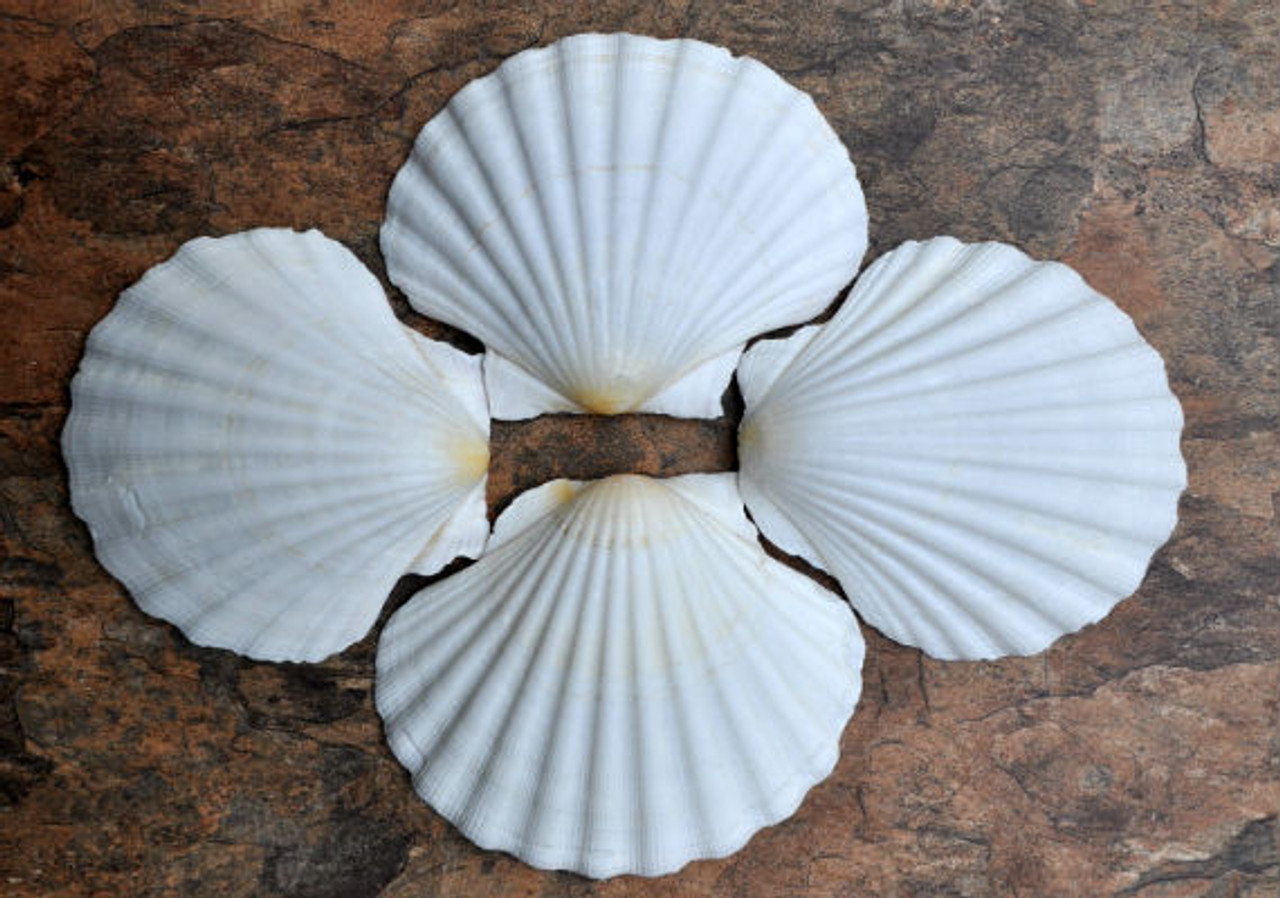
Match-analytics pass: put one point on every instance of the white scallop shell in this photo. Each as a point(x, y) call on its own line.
point(260, 449)
point(623, 683)
point(614, 216)
point(980, 447)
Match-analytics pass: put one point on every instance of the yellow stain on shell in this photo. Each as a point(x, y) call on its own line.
point(603, 402)
point(470, 457)
point(563, 491)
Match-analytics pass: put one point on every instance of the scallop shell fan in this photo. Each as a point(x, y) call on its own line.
point(980, 447)
point(260, 449)
point(624, 682)
point(614, 216)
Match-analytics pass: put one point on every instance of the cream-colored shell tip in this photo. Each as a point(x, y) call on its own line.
point(623, 683)
point(980, 447)
point(615, 216)
point(260, 449)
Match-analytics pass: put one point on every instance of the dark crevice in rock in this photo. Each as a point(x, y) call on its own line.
point(352, 855)
point(20, 770)
point(1254, 850)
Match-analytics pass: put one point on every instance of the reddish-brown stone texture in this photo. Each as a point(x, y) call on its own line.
point(1137, 141)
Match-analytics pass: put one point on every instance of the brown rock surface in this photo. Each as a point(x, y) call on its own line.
point(1140, 757)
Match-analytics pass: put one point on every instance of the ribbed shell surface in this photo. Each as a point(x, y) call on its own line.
point(613, 215)
point(980, 447)
point(623, 683)
point(260, 449)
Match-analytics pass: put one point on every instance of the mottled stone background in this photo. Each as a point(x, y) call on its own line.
point(1138, 142)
